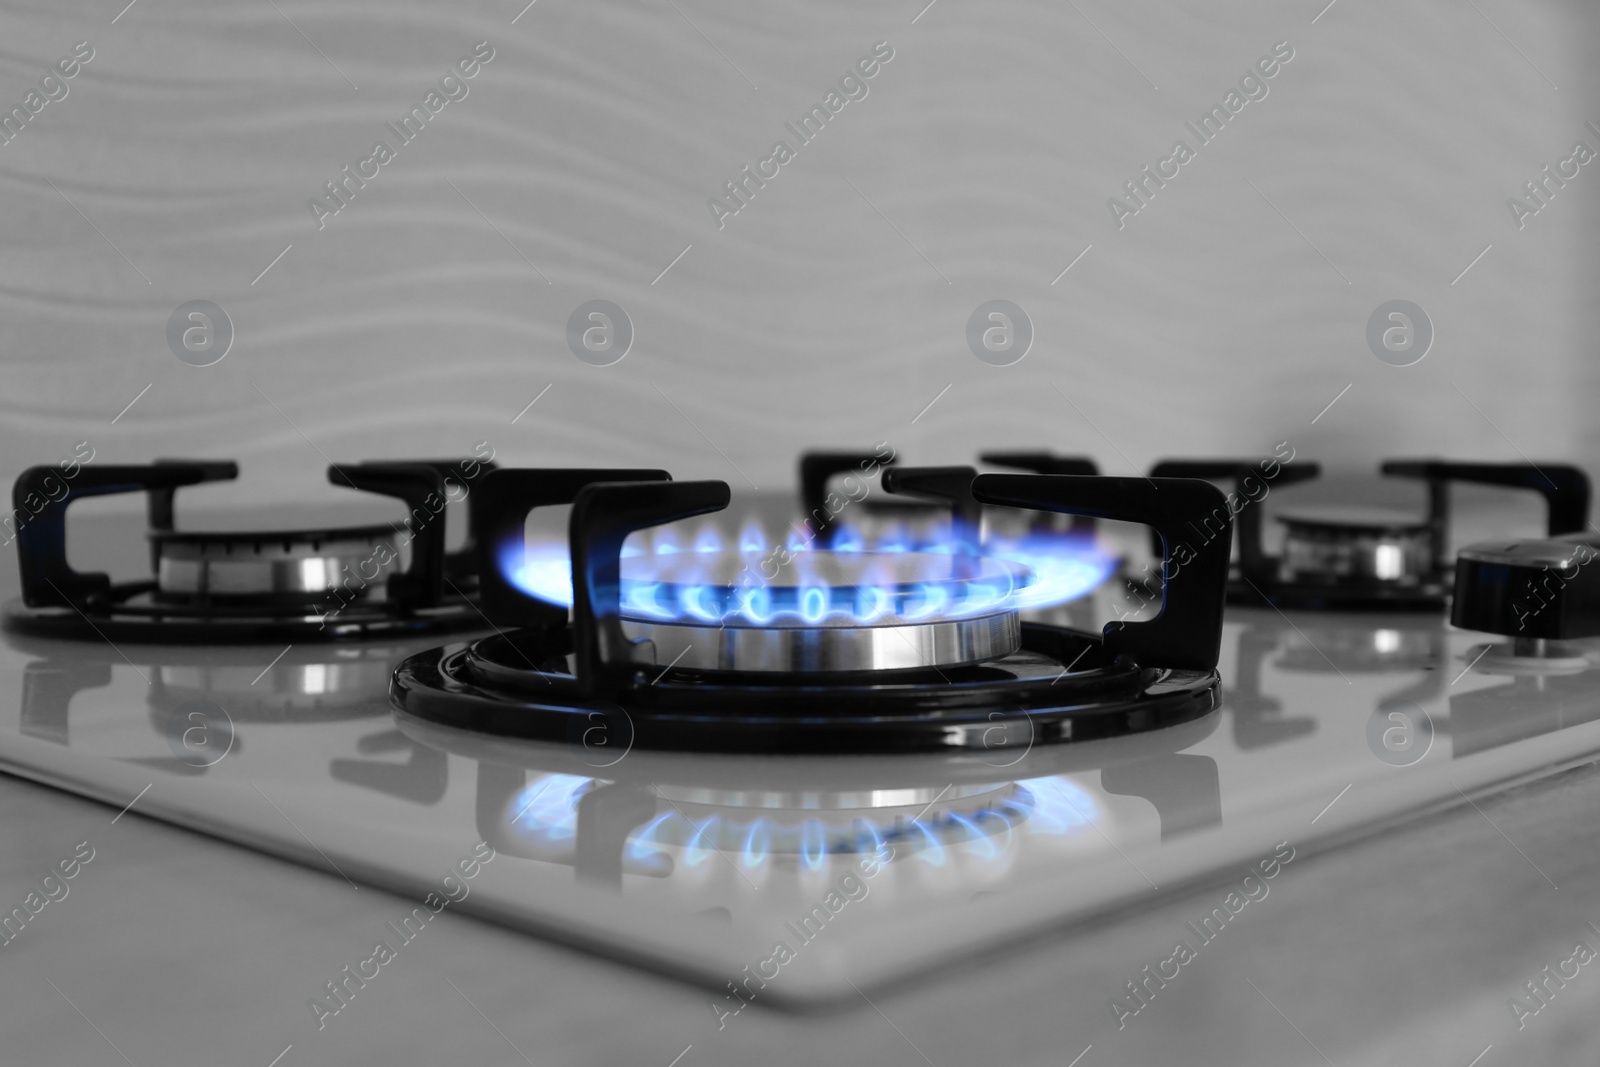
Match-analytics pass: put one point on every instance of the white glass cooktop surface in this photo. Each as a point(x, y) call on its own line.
point(804, 874)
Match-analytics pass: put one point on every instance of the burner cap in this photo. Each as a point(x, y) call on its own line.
point(827, 649)
point(1357, 545)
point(299, 566)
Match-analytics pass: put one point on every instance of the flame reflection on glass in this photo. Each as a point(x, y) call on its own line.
point(544, 816)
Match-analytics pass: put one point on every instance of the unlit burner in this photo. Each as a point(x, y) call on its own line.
point(828, 612)
point(214, 587)
point(1345, 545)
point(286, 567)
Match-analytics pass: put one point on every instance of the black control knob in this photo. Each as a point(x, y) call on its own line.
point(1529, 589)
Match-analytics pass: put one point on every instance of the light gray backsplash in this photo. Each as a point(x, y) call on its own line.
point(832, 309)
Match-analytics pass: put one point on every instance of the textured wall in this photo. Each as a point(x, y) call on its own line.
point(833, 307)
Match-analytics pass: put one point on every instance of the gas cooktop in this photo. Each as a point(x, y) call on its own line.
point(811, 806)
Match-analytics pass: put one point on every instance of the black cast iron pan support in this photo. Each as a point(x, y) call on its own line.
point(40, 498)
point(160, 499)
point(1187, 633)
point(506, 497)
point(816, 469)
point(414, 482)
point(949, 485)
point(1048, 463)
point(1254, 563)
point(159, 505)
point(462, 473)
point(421, 585)
point(1565, 490)
point(603, 515)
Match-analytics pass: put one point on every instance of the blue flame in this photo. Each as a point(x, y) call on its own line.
point(546, 809)
point(813, 845)
point(868, 841)
point(701, 845)
point(544, 816)
point(642, 856)
point(758, 844)
point(1045, 569)
point(541, 569)
point(932, 850)
point(1045, 806)
point(979, 838)
point(1061, 806)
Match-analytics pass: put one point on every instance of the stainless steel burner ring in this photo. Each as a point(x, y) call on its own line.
point(898, 646)
point(269, 566)
point(1354, 544)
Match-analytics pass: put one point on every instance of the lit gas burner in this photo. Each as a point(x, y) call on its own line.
point(874, 594)
point(826, 612)
point(876, 640)
point(218, 587)
point(838, 612)
point(1367, 558)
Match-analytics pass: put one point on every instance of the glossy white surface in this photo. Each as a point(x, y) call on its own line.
point(1401, 948)
point(699, 865)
